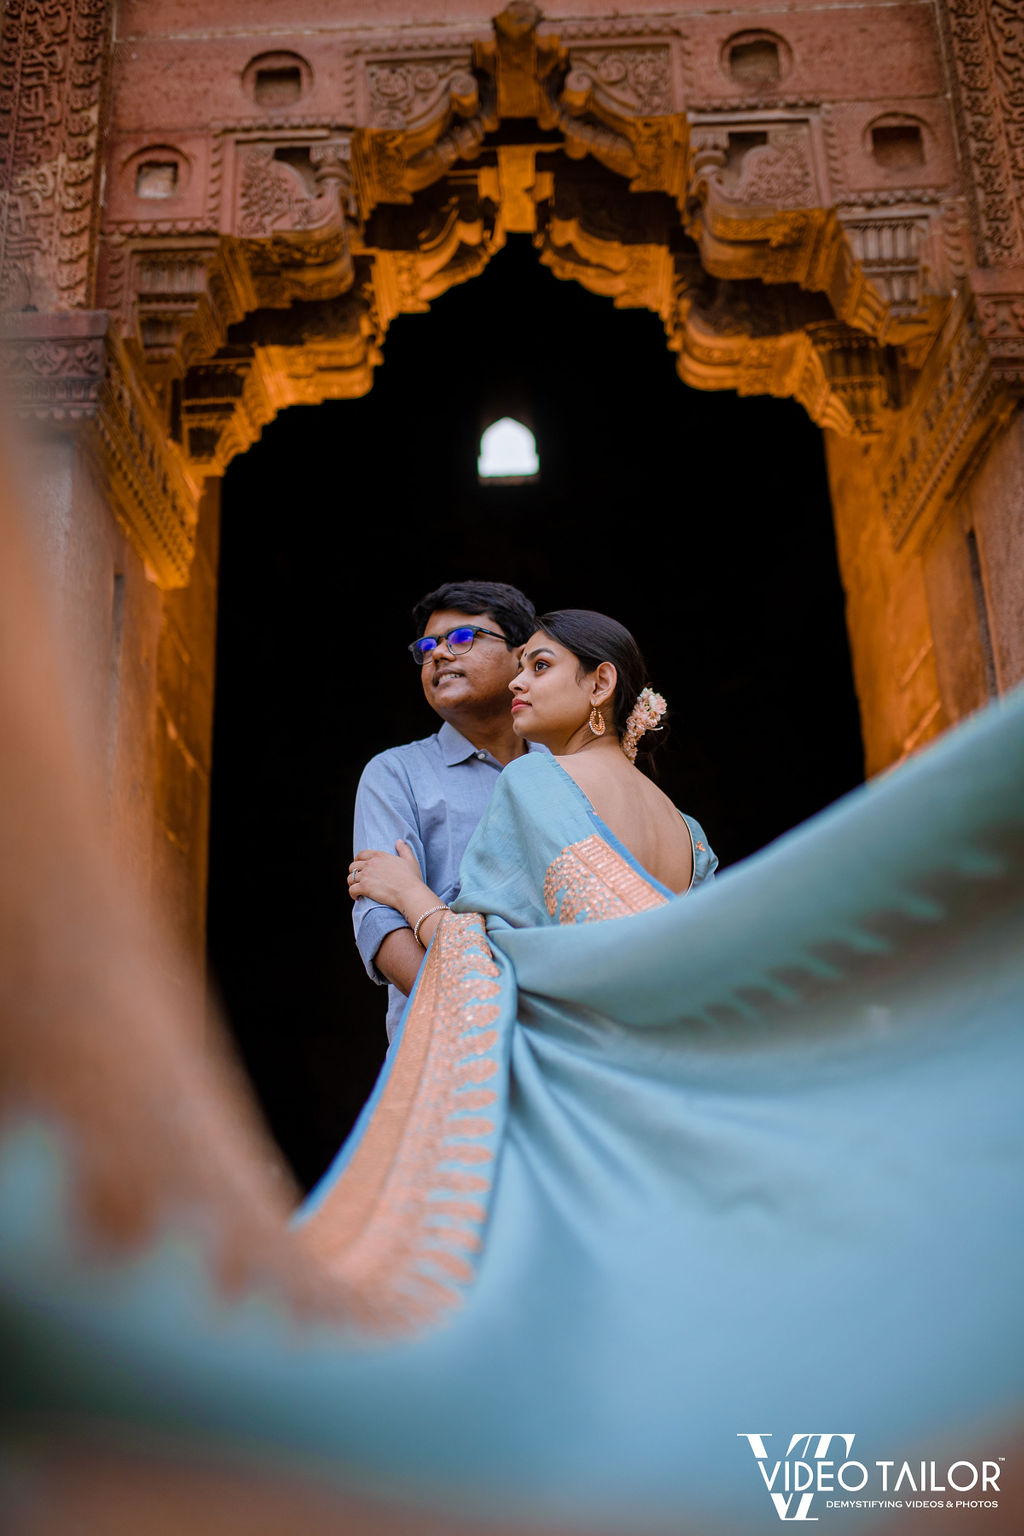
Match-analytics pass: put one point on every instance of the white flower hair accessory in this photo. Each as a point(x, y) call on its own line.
point(644, 716)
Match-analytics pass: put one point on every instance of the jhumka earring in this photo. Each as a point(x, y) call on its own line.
point(597, 724)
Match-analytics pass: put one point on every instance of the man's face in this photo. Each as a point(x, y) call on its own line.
point(475, 683)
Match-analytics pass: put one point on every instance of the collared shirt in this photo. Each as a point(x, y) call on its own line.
point(431, 793)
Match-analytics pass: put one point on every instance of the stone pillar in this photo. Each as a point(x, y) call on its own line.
point(113, 503)
point(976, 569)
point(887, 614)
point(928, 513)
point(132, 577)
point(185, 657)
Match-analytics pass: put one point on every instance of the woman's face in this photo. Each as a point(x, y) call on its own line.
point(551, 699)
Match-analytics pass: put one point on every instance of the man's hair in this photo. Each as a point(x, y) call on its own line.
point(514, 612)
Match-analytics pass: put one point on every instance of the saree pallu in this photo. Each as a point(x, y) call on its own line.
point(652, 1186)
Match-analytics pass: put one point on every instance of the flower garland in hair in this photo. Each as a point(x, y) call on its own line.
point(644, 716)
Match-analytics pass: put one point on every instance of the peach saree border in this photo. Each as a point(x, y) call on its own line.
point(590, 881)
point(401, 1227)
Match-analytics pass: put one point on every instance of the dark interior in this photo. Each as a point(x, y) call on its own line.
point(700, 520)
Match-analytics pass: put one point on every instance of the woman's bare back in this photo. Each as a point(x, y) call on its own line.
point(638, 812)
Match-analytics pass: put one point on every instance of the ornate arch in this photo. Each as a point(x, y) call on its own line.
point(792, 242)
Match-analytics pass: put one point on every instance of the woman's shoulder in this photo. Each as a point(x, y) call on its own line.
point(535, 790)
point(526, 770)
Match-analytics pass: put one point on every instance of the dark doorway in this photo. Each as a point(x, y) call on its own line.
point(699, 520)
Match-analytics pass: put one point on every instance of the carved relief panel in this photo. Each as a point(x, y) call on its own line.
point(54, 62)
point(771, 191)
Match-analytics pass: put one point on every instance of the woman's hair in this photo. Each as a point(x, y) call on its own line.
point(593, 638)
point(512, 610)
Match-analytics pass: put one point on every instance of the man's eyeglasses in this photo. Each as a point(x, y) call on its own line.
point(458, 641)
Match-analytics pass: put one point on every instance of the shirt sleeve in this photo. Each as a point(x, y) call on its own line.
point(385, 811)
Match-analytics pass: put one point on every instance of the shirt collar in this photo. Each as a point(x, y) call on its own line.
point(456, 749)
point(454, 746)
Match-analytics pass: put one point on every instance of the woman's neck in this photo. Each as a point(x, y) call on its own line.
point(584, 740)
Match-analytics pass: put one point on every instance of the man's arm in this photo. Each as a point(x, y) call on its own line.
point(385, 811)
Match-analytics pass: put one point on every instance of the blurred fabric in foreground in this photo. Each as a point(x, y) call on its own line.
point(174, 1358)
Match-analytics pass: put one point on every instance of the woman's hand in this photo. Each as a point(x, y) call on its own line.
point(393, 879)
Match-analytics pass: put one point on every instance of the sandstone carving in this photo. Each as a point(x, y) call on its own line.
point(743, 217)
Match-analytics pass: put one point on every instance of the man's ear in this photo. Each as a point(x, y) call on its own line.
point(605, 677)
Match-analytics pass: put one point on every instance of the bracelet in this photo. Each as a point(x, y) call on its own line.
point(442, 906)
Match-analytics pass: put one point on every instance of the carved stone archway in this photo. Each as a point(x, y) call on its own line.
point(817, 205)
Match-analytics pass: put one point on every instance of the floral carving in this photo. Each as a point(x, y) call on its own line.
point(53, 359)
point(403, 94)
point(778, 172)
point(53, 60)
point(987, 38)
point(1002, 317)
point(271, 196)
point(53, 369)
point(632, 81)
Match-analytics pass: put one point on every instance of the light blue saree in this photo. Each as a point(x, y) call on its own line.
point(659, 1200)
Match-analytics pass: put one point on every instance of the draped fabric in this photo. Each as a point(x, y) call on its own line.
point(649, 1184)
point(403, 1215)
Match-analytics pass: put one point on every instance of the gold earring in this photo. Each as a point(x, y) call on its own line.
point(597, 724)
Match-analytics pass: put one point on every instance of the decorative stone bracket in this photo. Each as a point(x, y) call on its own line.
point(286, 234)
point(68, 373)
point(312, 351)
point(785, 344)
point(999, 301)
point(759, 205)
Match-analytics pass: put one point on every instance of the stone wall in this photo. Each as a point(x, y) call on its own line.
point(146, 658)
point(205, 220)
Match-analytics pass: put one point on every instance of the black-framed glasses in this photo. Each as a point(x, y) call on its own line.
point(458, 640)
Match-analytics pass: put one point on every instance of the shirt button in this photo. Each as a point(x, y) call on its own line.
point(481, 755)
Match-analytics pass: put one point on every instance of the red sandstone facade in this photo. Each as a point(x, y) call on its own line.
point(213, 211)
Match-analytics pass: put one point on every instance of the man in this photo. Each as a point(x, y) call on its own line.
point(431, 793)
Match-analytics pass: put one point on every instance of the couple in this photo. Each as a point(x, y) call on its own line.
point(579, 692)
point(531, 780)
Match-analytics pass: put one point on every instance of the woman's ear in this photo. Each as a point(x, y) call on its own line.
point(605, 677)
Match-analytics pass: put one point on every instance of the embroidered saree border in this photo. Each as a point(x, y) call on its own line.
point(402, 1226)
point(594, 883)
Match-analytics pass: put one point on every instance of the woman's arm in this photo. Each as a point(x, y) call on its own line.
point(395, 880)
point(399, 958)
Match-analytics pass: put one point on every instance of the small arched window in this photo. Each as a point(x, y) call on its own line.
point(508, 453)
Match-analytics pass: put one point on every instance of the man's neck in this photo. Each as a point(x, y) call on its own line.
point(494, 736)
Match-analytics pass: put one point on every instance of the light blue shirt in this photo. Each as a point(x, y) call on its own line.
point(432, 793)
